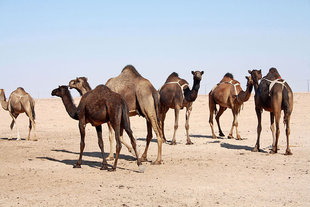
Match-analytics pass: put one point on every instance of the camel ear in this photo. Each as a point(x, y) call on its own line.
point(202, 72)
point(193, 72)
point(250, 72)
point(247, 77)
point(260, 71)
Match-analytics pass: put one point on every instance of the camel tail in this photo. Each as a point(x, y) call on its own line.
point(285, 104)
point(157, 105)
point(125, 116)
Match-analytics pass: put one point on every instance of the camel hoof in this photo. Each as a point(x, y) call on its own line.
point(239, 138)
point(76, 166)
point(214, 137)
point(272, 152)
point(112, 169)
point(156, 162)
point(173, 142)
point(104, 167)
point(143, 159)
point(288, 152)
point(230, 137)
point(189, 143)
point(221, 134)
point(255, 149)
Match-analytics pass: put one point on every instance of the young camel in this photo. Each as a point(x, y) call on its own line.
point(20, 102)
point(96, 107)
point(175, 94)
point(82, 86)
point(228, 94)
point(272, 94)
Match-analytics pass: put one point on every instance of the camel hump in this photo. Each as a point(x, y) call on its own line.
point(174, 77)
point(131, 70)
point(20, 90)
point(273, 74)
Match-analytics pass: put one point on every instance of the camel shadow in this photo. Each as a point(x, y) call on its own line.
point(13, 139)
point(98, 154)
point(205, 136)
point(144, 139)
point(239, 147)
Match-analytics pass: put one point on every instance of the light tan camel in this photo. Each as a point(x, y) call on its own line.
point(176, 94)
point(82, 86)
point(19, 102)
point(272, 94)
point(228, 94)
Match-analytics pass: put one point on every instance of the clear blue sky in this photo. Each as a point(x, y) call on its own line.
point(44, 44)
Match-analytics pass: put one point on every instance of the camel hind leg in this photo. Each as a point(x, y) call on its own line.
point(111, 137)
point(288, 131)
point(212, 109)
point(176, 124)
point(101, 146)
point(217, 118)
point(14, 117)
point(133, 143)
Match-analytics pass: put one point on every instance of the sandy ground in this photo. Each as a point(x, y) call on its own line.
point(212, 172)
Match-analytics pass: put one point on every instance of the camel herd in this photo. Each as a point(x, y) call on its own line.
point(130, 94)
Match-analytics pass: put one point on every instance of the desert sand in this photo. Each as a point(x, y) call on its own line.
point(212, 172)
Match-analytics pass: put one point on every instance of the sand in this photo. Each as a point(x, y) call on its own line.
point(212, 172)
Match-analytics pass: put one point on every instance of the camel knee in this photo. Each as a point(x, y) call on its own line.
point(187, 126)
point(176, 127)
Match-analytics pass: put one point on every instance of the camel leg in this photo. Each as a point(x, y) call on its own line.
point(82, 144)
point(259, 128)
point(32, 124)
point(211, 109)
point(187, 115)
point(133, 144)
point(101, 146)
point(118, 145)
point(288, 131)
point(148, 140)
point(272, 129)
point(237, 131)
point(14, 117)
point(163, 117)
point(277, 115)
point(217, 118)
point(176, 124)
point(156, 127)
point(230, 136)
point(111, 138)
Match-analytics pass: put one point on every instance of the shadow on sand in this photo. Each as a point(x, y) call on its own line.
point(239, 147)
point(93, 164)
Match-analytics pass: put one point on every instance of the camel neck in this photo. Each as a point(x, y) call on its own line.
point(196, 85)
point(191, 95)
point(244, 96)
point(3, 101)
point(69, 105)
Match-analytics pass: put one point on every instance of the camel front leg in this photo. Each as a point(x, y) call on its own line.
point(217, 118)
point(101, 146)
point(82, 144)
point(176, 124)
point(187, 115)
point(259, 128)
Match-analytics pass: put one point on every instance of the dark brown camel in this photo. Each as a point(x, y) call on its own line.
point(20, 102)
point(82, 86)
point(228, 94)
point(96, 107)
point(272, 94)
point(176, 94)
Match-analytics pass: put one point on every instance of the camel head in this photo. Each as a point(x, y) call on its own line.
point(78, 83)
point(256, 75)
point(197, 75)
point(273, 74)
point(250, 80)
point(60, 91)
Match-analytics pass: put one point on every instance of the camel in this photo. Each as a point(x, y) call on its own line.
point(96, 107)
point(82, 86)
point(176, 94)
point(140, 96)
point(142, 99)
point(228, 94)
point(20, 102)
point(272, 94)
